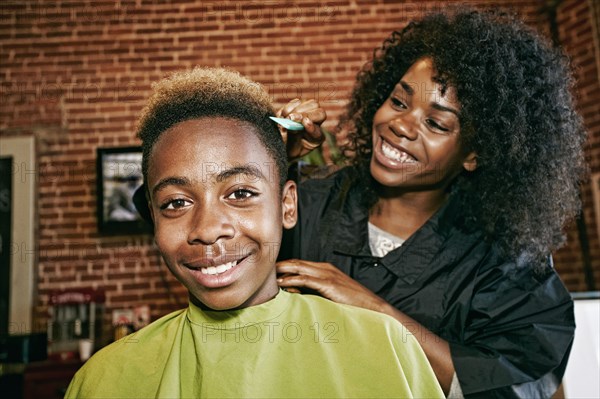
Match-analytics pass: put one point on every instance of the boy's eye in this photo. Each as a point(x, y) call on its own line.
point(241, 194)
point(175, 204)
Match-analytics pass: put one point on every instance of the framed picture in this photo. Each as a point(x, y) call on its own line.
point(119, 174)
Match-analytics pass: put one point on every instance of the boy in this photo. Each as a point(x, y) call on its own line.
point(215, 172)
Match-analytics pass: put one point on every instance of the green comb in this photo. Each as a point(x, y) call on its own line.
point(288, 123)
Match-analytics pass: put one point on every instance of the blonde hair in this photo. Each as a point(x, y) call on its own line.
point(210, 92)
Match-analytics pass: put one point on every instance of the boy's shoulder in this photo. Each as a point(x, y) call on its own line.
point(356, 331)
point(347, 315)
point(133, 355)
point(158, 331)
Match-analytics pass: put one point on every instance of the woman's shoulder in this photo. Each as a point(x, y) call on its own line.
point(536, 283)
point(325, 178)
point(490, 271)
point(335, 185)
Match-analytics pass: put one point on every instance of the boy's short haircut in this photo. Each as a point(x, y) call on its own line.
point(210, 92)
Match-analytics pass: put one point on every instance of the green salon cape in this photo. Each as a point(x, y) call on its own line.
point(293, 346)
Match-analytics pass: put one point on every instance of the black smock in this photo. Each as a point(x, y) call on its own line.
point(510, 329)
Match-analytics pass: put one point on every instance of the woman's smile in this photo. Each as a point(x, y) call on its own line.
point(391, 156)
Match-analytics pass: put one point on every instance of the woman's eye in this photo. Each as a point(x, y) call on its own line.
point(174, 204)
point(397, 103)
point(436, 125)
point(241, 194)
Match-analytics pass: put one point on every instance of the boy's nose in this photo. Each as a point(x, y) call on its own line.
point(209, 225)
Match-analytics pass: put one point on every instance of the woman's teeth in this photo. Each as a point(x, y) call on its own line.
point(394, 154)
point(218, 269)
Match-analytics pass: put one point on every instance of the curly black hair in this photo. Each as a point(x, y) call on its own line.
point(210, 92)
point(517, 115)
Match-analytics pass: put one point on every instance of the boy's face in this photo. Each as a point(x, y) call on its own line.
point(218, 212)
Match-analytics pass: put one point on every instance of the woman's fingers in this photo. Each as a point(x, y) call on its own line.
point(295, 280)
point(289, 107)
point(299, 111)
point(304, 274)
point(311, 124)
point(328, 281)
point(311, 115)
point(304, 285)
point(297, 266)
point(319, 276)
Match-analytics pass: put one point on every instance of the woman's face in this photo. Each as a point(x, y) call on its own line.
point(416, 134)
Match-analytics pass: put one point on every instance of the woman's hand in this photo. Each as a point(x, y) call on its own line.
point(329, 281)
point(311, 115)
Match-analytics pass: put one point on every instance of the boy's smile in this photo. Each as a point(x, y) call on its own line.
point(218, 211)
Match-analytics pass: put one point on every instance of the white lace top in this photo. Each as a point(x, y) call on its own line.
point(381, 242)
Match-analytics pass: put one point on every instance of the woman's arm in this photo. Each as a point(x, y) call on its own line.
point(333, 284)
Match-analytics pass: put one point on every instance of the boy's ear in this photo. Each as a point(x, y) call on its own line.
point(470, 162)
point(289, 204)
point(150, 209)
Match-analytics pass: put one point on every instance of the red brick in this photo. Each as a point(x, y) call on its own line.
point(90, 56)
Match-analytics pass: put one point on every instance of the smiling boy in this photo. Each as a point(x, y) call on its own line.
point(217, 211)
point(215, 171)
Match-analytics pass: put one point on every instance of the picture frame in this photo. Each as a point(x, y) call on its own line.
point(118, 175)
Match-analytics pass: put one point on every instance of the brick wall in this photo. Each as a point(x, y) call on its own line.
point(75, 74)
point(578, 24)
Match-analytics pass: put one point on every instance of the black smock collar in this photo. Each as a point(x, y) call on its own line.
point(347, 234)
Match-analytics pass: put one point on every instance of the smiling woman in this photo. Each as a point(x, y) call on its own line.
point(416, 136)
point(466, 155)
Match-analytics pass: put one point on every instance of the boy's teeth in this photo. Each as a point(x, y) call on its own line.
point(395, 154)
point(218, 269)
